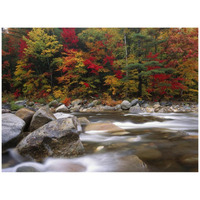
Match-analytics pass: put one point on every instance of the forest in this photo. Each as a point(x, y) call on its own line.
point(43, 64)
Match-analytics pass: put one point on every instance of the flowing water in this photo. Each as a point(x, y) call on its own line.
point(156, 142)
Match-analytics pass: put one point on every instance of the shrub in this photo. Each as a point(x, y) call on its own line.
point(14, 106)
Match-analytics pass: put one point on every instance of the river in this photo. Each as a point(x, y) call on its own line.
point(157, 139)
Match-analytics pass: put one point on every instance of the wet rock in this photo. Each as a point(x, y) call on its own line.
point(147, 154)
point(125, 105)
point(41, 117)
point(177, 135)
point(118, 145)
point(149, 109)
point(26, 169)
point(62, 108)
point(75, 108)
point(12, 127)
point(25, 114)
point(191, 137)
point(54, 104)
point(118, 107)
point(156, 105)
point(189, 160)
point(145, 105)
point(141, 102)
point(6, 111)
point(60, 115)
point(130, 163)
point(134, 102)
point(92, 104)
point(99, 148)
point(83, 121)
point(104, 128)
point(108, 108)
point(135, 109)
point(76, 102)
point(58, 138)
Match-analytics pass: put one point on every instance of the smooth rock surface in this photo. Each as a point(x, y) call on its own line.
point(125, 105)
point(83, 120)
point(58, 138)
point(25, 114)
point(41, 117)
point(135, 109)
point(62, 108)
point(60, 115)
point(12, 127)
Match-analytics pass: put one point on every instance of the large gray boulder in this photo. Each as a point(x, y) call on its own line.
point(125, 105)
point(12, 127)
point(134, 102)
point(58, 138)
point(135, 109)
point(41, 117)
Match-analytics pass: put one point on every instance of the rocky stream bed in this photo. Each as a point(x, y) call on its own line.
point(99, 141)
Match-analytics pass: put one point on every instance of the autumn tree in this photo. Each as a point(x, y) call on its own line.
point(36, 67)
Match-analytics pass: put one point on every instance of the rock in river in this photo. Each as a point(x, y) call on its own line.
point(41, 117)
point(125, 105)
point(62, 108)
point(12, 127)
point(135, 109)
point(25, 114)
point(58, 138)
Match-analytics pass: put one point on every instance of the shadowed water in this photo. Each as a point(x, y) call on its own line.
point(156, 142)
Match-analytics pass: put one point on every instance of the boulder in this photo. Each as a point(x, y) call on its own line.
point(12, 127)
point(145, 105)
point(148, 153)
point(108, 108)
point(76, 102)
point(26, 169)
point(58, 138)
point(125, 105)
point(118, 107)
point(135, 109)
point(25, 114)
point(130, 163)
point(134, 102)
point(41, 117)
point(92, 104)
point(149, 109)
point(76, 108)
point(62, 108)
point(189, 160)
point(54, 104)
point(156, 105)
point(83, 121)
